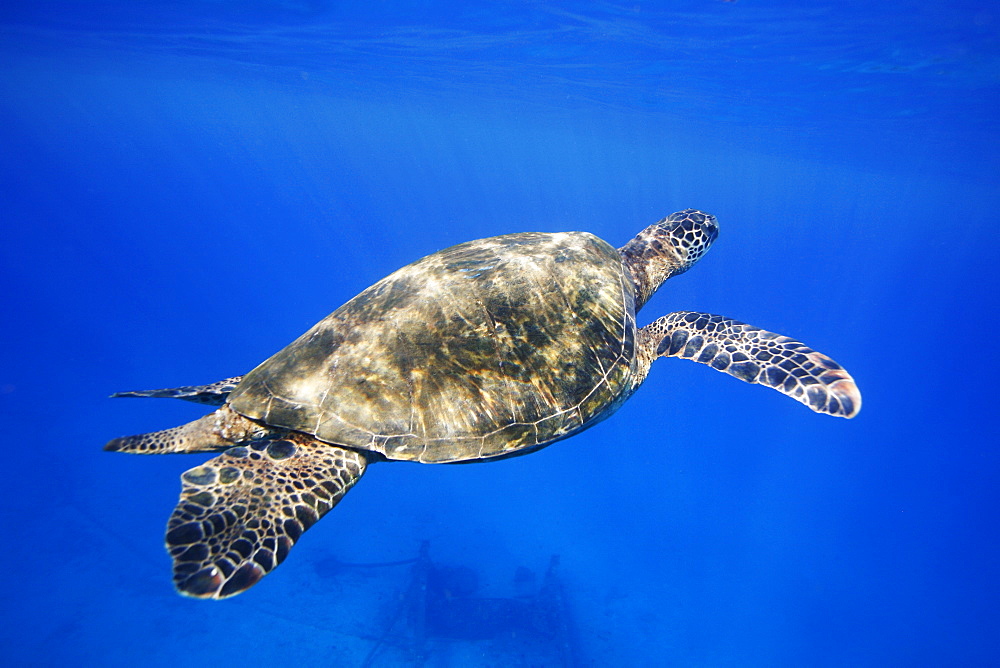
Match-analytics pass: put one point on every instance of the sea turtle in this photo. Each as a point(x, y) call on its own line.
point(485, 350)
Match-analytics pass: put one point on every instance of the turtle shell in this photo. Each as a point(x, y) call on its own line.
point(481, 350)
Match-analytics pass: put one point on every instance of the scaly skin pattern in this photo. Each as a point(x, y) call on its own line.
point(240, 513)
point(667, 248)
point(215, 432)
point(753, 355)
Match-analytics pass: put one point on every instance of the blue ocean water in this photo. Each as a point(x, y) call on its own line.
point(185, 187)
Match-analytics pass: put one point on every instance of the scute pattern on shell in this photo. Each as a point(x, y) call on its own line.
point(479, 350)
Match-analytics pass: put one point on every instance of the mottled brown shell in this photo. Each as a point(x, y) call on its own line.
point(480, 350)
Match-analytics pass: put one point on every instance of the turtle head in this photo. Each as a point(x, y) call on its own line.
point(667, 248)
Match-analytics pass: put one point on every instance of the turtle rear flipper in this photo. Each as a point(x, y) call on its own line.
point(213, 394)
point(215, 432)
point(755, 356)
point(240, 513)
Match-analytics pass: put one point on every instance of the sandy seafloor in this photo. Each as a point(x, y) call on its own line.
point(186, 187)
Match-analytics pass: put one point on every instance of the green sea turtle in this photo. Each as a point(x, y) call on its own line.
point(488, 349)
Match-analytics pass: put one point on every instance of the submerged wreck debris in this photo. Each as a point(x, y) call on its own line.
point(439, 612)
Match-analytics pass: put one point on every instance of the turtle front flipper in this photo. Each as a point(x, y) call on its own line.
point(240, 513)
point(755, 356)
point(213, 394)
